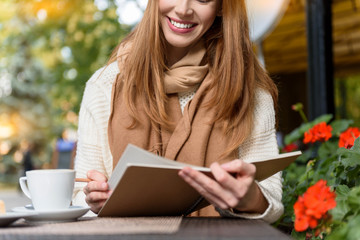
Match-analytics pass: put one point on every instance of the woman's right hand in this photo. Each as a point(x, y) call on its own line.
point(97, 191)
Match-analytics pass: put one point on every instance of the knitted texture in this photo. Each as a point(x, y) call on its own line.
point(93, 149)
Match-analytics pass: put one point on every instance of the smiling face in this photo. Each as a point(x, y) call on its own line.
point(184, 22)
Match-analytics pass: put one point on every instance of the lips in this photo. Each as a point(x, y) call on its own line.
point(181, 26)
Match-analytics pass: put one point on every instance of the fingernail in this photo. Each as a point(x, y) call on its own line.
point(104, 185)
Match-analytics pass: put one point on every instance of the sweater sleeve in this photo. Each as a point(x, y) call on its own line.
point(92, 148)
point(262, 143)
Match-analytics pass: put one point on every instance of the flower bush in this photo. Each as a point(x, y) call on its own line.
point(313, 206)
point(321, 188)
point(348, 137)
point(320, 132)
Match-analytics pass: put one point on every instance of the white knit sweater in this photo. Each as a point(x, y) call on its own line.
point(93, 150)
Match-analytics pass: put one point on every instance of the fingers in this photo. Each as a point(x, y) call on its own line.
point(96, 191)
point(94, 186)
point(96, 176)
point(95, 197)
point(240, 167)
point(237, 185)
point(242, 186)
point(98, 183)
point(226, 190)
point(96, 207)
point(208, 188)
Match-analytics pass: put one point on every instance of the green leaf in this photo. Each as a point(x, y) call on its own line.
point(324, 169)
point(354, 199)
point(305, 156)
point(342, 151)
point(347, 231)
point(356, 147)
point(354, 229)
point(323, 118)
point(340, 211)
point(353, 175)
point(342, 208)
point(350, 157)
point(298, 235)
point(342, 192)
point(340, 126)
point(351, 161)
point(339, 233)
point(297, 133)
point(326, 149)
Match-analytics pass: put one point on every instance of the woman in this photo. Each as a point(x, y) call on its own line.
point(185, 84)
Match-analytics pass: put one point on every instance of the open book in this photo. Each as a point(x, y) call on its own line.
point(145, 184)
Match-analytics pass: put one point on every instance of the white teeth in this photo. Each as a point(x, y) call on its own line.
point(181, 25)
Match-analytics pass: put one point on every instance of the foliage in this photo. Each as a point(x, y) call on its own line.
point(339, 167)
point(313, 207)
point(48, 50)
point(347, 98)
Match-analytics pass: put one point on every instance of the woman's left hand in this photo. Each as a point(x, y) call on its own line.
point(233, 187)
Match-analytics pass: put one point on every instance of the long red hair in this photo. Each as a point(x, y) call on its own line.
point(237, 72)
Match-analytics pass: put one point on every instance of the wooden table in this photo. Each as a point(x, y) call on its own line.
point(173, 228)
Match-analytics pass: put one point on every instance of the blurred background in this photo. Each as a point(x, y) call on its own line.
point(50, 48)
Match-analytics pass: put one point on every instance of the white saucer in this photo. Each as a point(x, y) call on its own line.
point(10, 217)
point(63, 215)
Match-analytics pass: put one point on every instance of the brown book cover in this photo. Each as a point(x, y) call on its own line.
point(145, 184)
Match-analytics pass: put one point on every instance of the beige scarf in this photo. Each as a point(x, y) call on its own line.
point(194, 140)
point(187, 74)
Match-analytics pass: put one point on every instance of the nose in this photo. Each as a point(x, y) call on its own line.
point(183, 8)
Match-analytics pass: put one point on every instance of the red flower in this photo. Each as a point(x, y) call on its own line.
point(320, 132)
point(348, 137)
point(290, 147)
point(313, 206)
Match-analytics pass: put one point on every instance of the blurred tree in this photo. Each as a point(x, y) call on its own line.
point(48, 50)
point(25, 81)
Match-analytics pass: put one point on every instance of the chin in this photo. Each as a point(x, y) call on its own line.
point(180, 45)
point(180, 42)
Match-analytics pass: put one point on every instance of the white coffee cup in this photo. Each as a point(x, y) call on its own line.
point(49, 189)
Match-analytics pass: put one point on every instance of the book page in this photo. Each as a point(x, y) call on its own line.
point(135, 156)
point(267, 167)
